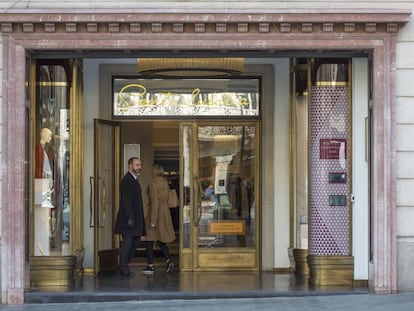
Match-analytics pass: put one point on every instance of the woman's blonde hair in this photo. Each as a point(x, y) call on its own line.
point(157, 170)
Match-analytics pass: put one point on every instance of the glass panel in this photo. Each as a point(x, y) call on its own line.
point(186, 182)
point(185, 97)
point(227, 166)
point(51, 172)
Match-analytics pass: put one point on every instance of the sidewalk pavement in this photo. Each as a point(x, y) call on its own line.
point(351, 302)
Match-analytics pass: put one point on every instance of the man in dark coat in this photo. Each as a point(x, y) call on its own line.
point(130, 219)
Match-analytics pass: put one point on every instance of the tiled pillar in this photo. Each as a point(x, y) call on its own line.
point(330, 260)
point(330, 226)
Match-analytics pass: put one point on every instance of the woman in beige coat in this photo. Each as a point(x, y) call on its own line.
point(158, 221)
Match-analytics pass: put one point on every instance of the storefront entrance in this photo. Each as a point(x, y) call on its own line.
point(212, 128)
point(217, 173)
point(366, 33)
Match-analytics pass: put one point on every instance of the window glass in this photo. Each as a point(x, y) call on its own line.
point(51, 171)
point(185, 97)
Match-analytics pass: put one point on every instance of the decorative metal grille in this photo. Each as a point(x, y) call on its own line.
point(329, 158)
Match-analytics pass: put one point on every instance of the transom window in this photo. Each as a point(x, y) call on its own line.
point(185, 97)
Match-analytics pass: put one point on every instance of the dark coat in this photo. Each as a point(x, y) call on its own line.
point(131, 207)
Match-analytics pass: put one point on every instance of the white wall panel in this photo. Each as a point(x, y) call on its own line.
point(405, 167)
point(405, 109)
point(403, 88)
point(405, 155)
point(405, 216)
point(405, 134)
point(405, 194)
point(405, 263)
point(405, 52)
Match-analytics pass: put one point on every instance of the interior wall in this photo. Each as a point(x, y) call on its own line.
point(140, 133)
point(281, 160)
point(91, 111)
point(360, 185)
point(275, 158)
point(92, 103)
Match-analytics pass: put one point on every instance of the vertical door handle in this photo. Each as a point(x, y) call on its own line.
point(103, 204)
point(91, 202)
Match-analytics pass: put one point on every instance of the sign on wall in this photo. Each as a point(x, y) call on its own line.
point(185, 97)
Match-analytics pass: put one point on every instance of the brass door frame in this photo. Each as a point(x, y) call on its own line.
point(216, 259)
point(61, 265)
point(105, 259)
point(76, 158)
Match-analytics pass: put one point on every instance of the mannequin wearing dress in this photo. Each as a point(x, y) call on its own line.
point(44, 162)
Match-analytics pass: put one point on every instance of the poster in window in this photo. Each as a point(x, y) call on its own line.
point(337, 200)
point(332, 148)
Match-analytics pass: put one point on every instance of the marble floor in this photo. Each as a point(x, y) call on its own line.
point(183, 285)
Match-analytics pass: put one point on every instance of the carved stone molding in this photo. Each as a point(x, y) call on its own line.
point(112, 27)
point(282, 22)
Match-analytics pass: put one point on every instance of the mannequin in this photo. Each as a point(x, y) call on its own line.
point(44, 181)
point(44, 164)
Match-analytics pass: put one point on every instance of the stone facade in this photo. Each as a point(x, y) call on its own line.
point(259, 25)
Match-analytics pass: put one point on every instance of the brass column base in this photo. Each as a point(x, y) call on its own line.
point(331, 270)
point(52, 272)
point(301, 261)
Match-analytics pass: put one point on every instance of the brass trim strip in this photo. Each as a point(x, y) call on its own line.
point(292, 151)
point(282, 270)
point(331, 83)
point(103, 202)
point(351, 156)
point(54, 83)
point(32, 143)
point(91, 200)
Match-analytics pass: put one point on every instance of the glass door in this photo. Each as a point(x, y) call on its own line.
point(220, 173)
point(105, 195)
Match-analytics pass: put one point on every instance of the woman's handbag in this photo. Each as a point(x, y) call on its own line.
point(173, 199)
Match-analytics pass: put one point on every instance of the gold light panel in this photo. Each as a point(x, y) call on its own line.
point(190, 67)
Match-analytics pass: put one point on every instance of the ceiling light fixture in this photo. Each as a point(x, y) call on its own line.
point(190, 67)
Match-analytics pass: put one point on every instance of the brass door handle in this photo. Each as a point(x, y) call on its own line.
point(91, 178)
point(197, 212)
point(103, 203)
point(92, 202)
